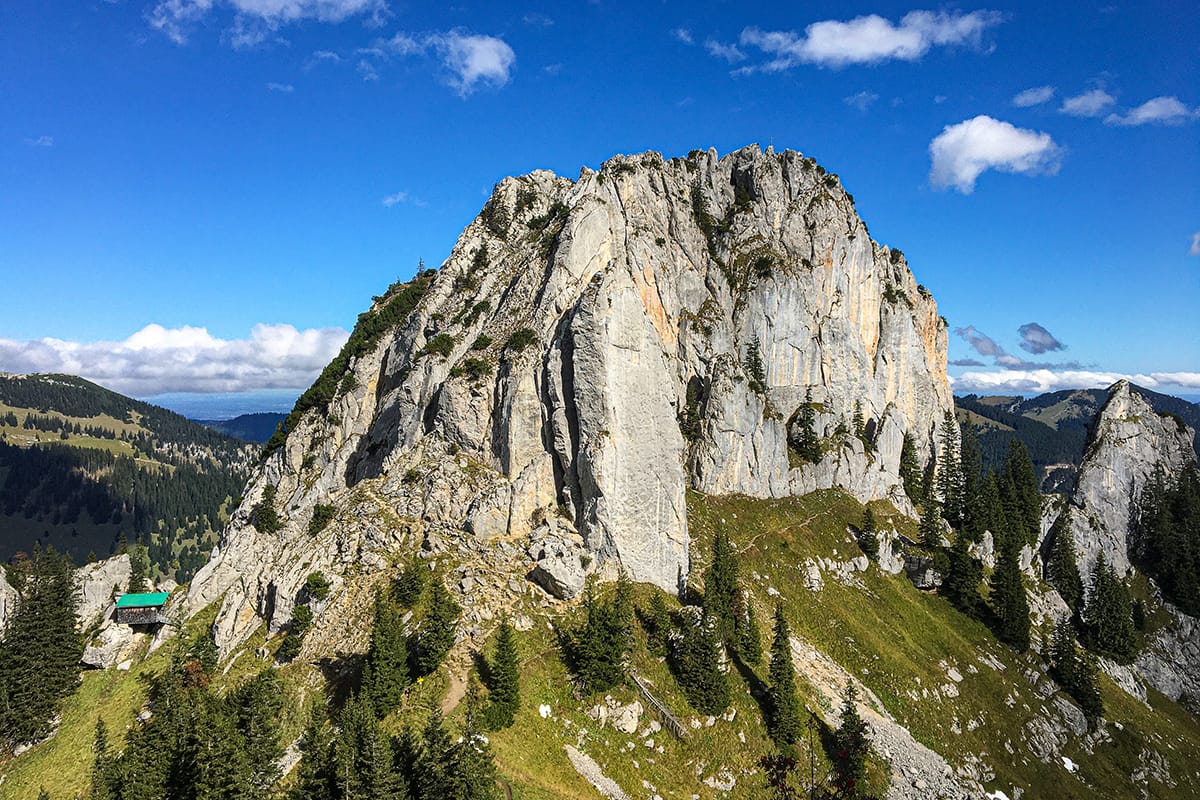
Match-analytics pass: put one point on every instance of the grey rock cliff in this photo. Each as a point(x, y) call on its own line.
point(1129, 441)
point(640, 291)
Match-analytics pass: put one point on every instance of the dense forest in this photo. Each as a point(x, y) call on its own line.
point(88, 471)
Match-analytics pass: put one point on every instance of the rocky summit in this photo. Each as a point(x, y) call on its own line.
point(591, 350)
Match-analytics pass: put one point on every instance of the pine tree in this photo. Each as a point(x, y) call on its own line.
point(749, 638)
point(1062, 567)
point(472, 772)
point(868, 538)
point(1075, 671)
point(910, 468)
point(1109, 615)
point(753, 365)
point(949, 473)
point(103, 787)
point(1009, 602)
point(809, 444)
point(971, 467)
point(438, 631)
point(258, 704)
point(961, 585)
point(931, 525)
point(853, 745)
point(1023, 493)
point(860, 424)
point(385, 673)
point(315, 775)
point(783, 705)
point(504, 679)
point(721, 587)
point(696, 662)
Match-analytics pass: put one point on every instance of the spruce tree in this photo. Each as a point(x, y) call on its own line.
point(868, 537)
point(991, 517)
point(783, 722)
point(315, 774)
point(1024, 496)
point(1109, 615)
point(432, 769)
point(472, 772)
point(258, 704)
point(910, 468)
point(1062, 567)
point(753, 364)
point(721, 587)
point(385, 673)
point(949, 473)
point(103, 779)
point(971, 467)
point(749, 639)
point(961, 585)
point(860, 424)
point(362, 754)
point(696, 662)
point(810, 445)
point(1009, 602)
point(657, 622)
point(1075, 671)
point(931, 524)
point(853, 745)
point(438, 630)
point(411, 583)
point(504, 679)
point(139, 567)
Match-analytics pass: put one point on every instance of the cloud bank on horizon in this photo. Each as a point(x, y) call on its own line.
point(157, 360)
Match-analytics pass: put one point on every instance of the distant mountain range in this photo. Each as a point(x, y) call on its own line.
point(1052, 426)
point(83, 468)
point(247, 427)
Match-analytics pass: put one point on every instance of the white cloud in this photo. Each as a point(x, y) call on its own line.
point(471, 59)
point(394, 199)
point(41, 141)
point(1088, 104)
point(861, 100)
point(536, 20)
point(155, 359)
point(254, 20)
point(1044, 380)
point(325, 55)
point(960, 153)
point(286, 88)
point(869, 39)
point(1194, 250)
point(1033, 97)
point(729, 52)
point(1160, 110)
point(683, 35)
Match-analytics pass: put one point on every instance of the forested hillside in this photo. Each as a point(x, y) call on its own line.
point(1053, 427)
point(87, 470)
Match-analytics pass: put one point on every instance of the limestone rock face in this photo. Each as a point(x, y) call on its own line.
point(96, 582)
point(1128, 442)
point(591, 350)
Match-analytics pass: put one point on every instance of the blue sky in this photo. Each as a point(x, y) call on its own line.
point(200, 195)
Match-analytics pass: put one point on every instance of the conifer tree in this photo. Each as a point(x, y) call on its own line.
point(431, 770)
point(438, 630)
point(971, 468)
point(1109, 615)
point(411, 583)
point(1009, 602)
point(504, 679)
point(753, 365)
point(1075, 671)
point(472, 772)
point(316, 773)
point(258, 704)
point(103, 779)
point(868, 537)
point(910, 468)
point(598, 649)
point(362, 755)
point(961, 585)
point(1062, 567)
point(139, 566)
point(949, 473)
point(696, 662)
point(853, 745)
point(658, 625)
point(385, 673)
point(931, 524)
point(860, 424)
point(809, 444)
point(990, 515)
point(782, 702)
point(749, 639)
point(1024, 497)
point(721, 587)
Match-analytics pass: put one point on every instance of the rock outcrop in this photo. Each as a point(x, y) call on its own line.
point(1128, 443)
point(589, 351)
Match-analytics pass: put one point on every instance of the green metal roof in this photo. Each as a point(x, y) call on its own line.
point(142, 600)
